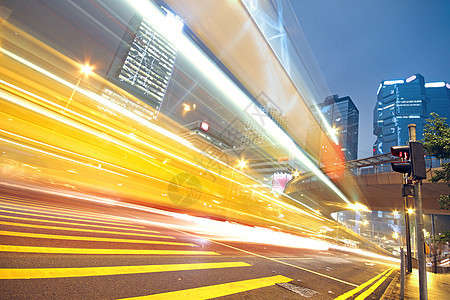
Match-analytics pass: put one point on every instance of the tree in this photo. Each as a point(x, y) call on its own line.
point(436, 140)
point(443, 238)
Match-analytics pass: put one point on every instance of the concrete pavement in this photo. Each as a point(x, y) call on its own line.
point(438, 286)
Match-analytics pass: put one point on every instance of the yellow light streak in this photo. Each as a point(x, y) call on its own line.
point(167, 153)
point(359, 207)
point(117, 270)
point(68, 223)
point(83, 230)
point(58, 156)
point(156, 128)
point(66, 121)
point(97, 161)
point(227, 87)
point(66, 218)
point(27, 249)
point(219, 290)
point(13, 202)
point(90, 239)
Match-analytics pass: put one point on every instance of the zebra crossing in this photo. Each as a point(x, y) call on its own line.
point(30, 227)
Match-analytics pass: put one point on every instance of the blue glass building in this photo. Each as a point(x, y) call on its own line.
point(342, 114)
point(403, 102)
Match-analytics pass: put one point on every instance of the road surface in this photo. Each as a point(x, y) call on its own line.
point(56, 246)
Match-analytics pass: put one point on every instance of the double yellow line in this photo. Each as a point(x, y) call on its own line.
point(380, 278)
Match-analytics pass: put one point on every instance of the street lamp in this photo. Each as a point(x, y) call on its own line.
point(242, 164)
point(396, 214)
point(85, 69)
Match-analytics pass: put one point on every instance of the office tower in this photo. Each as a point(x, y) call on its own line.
point(255, 132)
point(438, 94)
point(403, 102)
point(342, 114)
point(144, 62)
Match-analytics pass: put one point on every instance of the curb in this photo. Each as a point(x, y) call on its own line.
point(393, 290)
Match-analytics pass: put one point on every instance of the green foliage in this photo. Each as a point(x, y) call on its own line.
point(436, 140)
point(436, 136)
point(443, 175)
point(443, 238)
point(444, 201)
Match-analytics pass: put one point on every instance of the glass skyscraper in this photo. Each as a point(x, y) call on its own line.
point(343, 116)
point(403, 102)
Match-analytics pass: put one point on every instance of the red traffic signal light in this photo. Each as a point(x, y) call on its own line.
point(400, 151)
point(403, 166)
point(204, 126)
point(413, 161)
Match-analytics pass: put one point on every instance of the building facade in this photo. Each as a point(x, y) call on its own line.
point(403, 102)
point(342, 114)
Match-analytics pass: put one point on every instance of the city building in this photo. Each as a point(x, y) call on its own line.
point(403, 102)
point(144, 61)
point(439, 95)
point(343, 116)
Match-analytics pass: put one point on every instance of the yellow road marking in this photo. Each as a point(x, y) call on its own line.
point(219, 290)
point(91, 239)
point(360, 287)
point(374, 287)
point(66, 218)
point(83, 230)
point(28, 249)
point(57, 208)
point(103, 271)
point(76, 224)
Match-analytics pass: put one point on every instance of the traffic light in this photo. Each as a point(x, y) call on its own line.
point(204, 126)
point(403, 166)
point(413, 161)
point(417, 155)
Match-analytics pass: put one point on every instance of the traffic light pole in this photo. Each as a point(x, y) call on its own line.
point(420, 245)
point(420, 242)
point(408, 236)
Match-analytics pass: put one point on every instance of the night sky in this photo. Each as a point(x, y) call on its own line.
point(358, 44)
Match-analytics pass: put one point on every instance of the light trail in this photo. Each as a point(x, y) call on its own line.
point(58, 156)
point(130, 114)
point(122, 139)
point(225, 85)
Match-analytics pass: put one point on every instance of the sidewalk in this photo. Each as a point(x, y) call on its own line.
point(438, 286)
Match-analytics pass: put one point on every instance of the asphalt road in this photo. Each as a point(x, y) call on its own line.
point(58, 247)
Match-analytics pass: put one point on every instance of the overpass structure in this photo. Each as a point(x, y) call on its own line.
point(379, 186)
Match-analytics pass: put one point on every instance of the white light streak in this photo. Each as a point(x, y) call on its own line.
point(227, 87)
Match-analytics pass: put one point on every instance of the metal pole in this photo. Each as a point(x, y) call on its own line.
point(408, 237)
point(402, 275)
point(420, 243)
point(434, 244)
